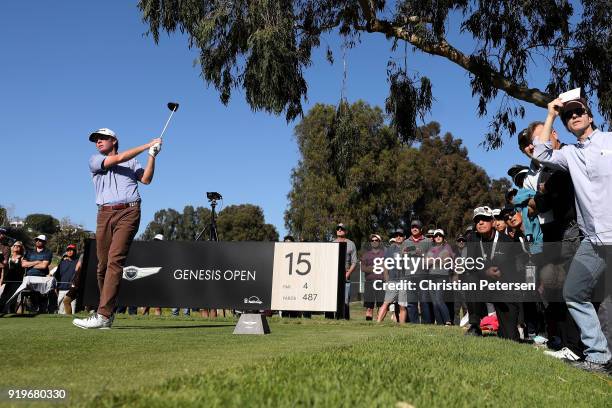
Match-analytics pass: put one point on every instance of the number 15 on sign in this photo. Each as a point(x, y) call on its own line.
point(305, 276)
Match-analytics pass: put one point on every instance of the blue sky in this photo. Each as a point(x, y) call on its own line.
point(71, 67)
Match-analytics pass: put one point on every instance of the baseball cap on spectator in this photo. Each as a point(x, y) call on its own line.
point(496, 213)
point(524, 138)
point(102, 132)
point(571, 105)
point(71, 246)
point(372, 236)
point(508, 209)
point(158, 237)
point(41, 237)
point(439, 231)
point(429, 233)
point(2, 230)
point(469, 229)
point(340, 226)
point(416, 223)
point(460, 238)
point(510, 194)
point(518, 173)
point(397, 232)
point(483, 211)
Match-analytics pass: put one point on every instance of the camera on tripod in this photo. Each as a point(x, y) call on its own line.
point(212, 195)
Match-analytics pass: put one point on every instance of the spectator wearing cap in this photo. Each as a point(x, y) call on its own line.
point(476, 309)
point(542, 203)
point(372, 298)
point(460, 251)
point(499, 223)
point(589, 162)
point(65, 275)
point(509, 195)
point(499, 265)
point(71, 295)
point(12, 276)
point(416, 246)
point(518, 173)
point(556, 196)
point(115, 176)
point(437, 256)
point(554, 193)
point(394, 275)
point(350, 265)
point(37, 261)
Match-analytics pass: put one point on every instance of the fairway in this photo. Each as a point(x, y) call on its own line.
point(152, 361)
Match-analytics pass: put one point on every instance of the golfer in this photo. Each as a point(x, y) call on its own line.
point(115, 177)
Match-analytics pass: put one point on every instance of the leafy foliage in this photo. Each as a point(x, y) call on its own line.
point(264, 46)
point(42, 223)
point(234, 223)
point(385, 182)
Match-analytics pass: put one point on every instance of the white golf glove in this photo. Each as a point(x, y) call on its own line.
point(155, 149)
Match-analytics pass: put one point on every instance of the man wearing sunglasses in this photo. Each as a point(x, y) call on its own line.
point(499, 265)
point(115, 177)
point(589, 162)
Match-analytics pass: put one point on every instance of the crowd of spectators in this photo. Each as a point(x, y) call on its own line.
point(556, 213)
point(17, 262)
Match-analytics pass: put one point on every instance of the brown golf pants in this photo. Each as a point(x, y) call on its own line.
point(114, 233)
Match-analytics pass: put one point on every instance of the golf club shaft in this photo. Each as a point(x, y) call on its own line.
point(166, 125)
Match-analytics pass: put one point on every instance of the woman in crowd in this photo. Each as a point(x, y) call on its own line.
point(12, 276)
point(372, 298)
point(65, 274)
point(437, 256)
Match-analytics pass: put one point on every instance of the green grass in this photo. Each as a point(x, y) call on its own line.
point(153, 361)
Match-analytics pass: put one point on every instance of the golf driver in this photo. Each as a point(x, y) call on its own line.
point(173, 106)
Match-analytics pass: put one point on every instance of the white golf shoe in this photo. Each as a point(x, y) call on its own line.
point(563, 354)
point(95, 321)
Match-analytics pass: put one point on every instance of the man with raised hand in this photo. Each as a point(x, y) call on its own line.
point(589, 162)
point(115, 177)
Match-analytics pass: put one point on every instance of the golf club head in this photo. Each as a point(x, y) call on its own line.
point(173, 106)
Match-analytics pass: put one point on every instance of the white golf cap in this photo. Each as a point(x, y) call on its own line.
point(496, 212)
point(41, 238)
point(483, 211)
point(102, 132)
point(158, 237)
point(439, 231)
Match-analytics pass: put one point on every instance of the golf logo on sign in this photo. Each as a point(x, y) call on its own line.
point(305, 277)
point(253, 299)
point(131, 273)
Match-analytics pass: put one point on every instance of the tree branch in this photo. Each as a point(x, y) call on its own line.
point(444, 49)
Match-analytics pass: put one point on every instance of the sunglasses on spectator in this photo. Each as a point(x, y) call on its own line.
point(340, 229)
point(577, 111)
point(397, 234)
point(510, 215)
point(438, 235)
point(482, 218)
point(375, 240)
